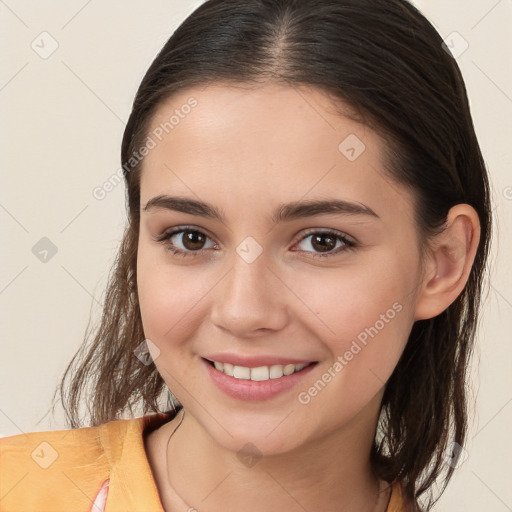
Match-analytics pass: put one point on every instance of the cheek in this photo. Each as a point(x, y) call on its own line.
point(366, 321)
point(170, 300)
point(363, 314)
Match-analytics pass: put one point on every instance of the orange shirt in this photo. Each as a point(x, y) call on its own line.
point(76, 470)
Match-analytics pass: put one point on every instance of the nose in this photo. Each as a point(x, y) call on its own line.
point(251, 299)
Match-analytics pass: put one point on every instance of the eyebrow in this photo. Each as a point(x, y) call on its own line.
point(283, 213)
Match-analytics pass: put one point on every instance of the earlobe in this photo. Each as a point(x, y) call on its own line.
point(452, 256)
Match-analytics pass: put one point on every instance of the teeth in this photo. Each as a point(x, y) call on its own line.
point(228, 369)
point(276, 371)
point(289, 369)
point(261, 372)
point(241, 372)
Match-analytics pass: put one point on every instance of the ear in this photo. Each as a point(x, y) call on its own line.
point(449, 263)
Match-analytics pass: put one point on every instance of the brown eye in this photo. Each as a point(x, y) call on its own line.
point(184, 242)
point(324, 243)
point(193, 240)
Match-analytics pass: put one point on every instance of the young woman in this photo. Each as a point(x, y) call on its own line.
point(308, 227)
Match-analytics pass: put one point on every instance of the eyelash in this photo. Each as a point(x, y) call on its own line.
point(164, 237)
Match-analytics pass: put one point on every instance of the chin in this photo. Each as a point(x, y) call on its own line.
point(260, 432)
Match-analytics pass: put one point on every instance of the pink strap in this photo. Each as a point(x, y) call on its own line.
point(101, 498)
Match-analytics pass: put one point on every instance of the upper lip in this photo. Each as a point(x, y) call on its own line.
point(254, 361)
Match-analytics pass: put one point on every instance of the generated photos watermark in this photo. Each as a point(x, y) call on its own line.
point(305, 397)
point(151, 142)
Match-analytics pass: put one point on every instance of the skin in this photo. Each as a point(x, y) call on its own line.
point(246, 151)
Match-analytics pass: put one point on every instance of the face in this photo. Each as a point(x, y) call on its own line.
point(266, 283)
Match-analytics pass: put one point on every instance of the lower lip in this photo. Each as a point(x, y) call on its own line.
point(255, 390)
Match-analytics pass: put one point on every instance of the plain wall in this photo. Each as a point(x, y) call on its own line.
point(62, 117)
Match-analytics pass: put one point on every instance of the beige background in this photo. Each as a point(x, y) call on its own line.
point(62, 118)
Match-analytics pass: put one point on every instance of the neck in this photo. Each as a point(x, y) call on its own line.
point(331, 473)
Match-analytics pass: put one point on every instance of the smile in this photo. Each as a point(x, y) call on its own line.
point(259, 373)
point(258, 382)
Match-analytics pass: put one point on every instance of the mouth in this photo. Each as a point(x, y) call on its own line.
point(259, 373)
point(261, 382)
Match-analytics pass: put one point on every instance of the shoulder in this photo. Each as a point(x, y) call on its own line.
point(35, 467)
point(62, 469)
point(398, 501)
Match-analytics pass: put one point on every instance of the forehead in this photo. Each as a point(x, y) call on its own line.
point(230, 143)
point(242, 118)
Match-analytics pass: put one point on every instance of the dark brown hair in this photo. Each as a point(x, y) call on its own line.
point(387, 62)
